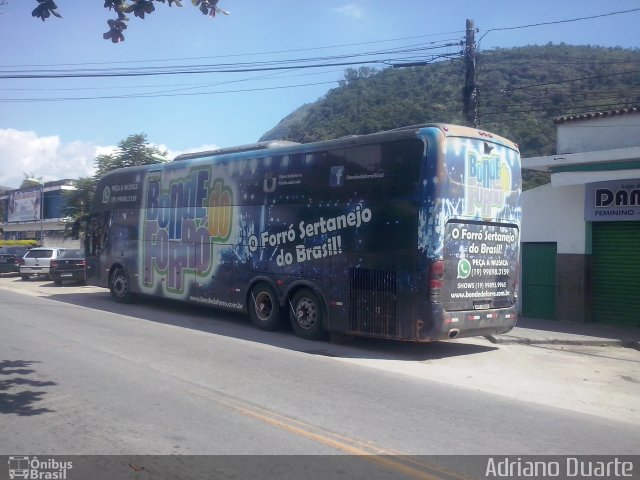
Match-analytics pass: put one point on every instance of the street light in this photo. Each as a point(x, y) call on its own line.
point(41, 183)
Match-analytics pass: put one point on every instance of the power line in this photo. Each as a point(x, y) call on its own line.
point(190, 72)
point(227, 68)
point(555, 23)
point(592, 77)
point(460, 32)
point(112, 97)
point(161, 94)
point(420, 47)
point(566, 95)
point(187, 72)
point(169, 93)
point(563, 109)
point(182, 85)
point(586, 62)
point(559, 21)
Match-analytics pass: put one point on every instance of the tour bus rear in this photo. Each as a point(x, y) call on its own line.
point(473, 279)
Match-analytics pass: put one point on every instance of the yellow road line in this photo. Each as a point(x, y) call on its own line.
point(393, 460)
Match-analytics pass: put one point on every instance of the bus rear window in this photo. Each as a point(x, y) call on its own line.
point(486, 176)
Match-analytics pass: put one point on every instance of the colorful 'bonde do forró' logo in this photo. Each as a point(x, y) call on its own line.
point(487, 184)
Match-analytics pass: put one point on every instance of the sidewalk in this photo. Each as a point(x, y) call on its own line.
point(535, 331)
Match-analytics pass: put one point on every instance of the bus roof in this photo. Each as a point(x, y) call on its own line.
point(284, 147)
point(240, 148)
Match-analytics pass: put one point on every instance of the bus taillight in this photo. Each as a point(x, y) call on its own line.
point(436, 278)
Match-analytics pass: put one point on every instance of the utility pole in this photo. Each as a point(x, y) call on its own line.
point(470, 90)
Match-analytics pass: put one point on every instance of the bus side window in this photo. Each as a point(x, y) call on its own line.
point(325, 174)
point(315, 165)
point(401, 162)
point(365, 159)
point(294, 161)
point(315, 160)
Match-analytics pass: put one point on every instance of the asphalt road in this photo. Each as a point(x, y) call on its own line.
point(81, 374)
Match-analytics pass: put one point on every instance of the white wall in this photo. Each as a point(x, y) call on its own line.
point(597, 134)
point(61, 241)
point(555, 214)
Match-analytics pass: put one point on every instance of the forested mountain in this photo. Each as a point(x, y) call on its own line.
point(521, 91)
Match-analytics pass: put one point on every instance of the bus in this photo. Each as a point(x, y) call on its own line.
point(409, 234)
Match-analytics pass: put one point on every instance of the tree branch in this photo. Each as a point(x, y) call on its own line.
point(139, 8)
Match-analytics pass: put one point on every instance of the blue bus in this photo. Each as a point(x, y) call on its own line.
point(410, 234)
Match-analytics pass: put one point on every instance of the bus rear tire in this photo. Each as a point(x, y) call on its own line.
point(306, 315)
point(119, 286)
point(264, 308)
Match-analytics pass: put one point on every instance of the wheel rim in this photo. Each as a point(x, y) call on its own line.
point(120, 286)
point(263, 306)
point(306, 313)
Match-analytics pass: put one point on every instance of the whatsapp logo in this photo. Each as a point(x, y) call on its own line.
point(106, 195)
point(464, 268)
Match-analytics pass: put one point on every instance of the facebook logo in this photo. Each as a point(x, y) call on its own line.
point(337, 177)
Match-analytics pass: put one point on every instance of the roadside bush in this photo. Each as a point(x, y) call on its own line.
point(28, 243)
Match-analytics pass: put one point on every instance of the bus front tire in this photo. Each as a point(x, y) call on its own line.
point(306, 315)
point(264, 308)
point(119, 286)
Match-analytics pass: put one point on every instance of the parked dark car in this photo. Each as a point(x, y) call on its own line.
point(68, 266)
point(10, 258)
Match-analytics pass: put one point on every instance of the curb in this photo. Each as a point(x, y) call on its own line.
point(499, 339)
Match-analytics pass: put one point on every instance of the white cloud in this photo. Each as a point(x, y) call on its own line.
point(47, 157)
point(171, 154)
point(23, 152)
point(350, 10)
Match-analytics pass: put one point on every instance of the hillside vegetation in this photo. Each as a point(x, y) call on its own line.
point(521, 91)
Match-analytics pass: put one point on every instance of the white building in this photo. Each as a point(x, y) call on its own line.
point(581, 232)
point(36, 213)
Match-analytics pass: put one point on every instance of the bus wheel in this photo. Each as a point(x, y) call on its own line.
point(119, 286)
point(264, 308)
point(305, 313)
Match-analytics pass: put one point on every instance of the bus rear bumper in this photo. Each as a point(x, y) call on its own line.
point(472, 323)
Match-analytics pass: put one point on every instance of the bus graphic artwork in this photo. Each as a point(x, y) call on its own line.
point(18, 467)
point(409, 234)
point(488, 183)
point(181, 223)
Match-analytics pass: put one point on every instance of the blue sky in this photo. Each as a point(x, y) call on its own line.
point(47, 132)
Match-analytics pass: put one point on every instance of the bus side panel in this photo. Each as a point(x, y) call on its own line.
point(343, 221)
